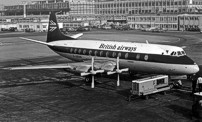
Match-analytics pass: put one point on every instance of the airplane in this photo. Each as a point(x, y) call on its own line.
point(96, 56)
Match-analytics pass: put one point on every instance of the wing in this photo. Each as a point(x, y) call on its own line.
point(58, 66)
point(79, 67)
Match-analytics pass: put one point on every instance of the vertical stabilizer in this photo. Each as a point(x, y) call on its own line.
point(54, 32)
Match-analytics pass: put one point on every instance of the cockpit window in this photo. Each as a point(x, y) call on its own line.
point(172, 53)
point(179, 53)
point(183, 53)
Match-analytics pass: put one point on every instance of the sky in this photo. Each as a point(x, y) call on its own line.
point(13, 2)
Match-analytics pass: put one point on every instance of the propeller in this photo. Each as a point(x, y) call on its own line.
point(117, 71)
point(92, 73)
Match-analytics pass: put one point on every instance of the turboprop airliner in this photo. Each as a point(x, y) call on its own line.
point(96, 56)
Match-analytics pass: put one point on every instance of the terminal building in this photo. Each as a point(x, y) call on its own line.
point(147, 13)
point(169, 14)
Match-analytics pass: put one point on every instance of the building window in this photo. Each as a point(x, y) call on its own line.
point(44, 26)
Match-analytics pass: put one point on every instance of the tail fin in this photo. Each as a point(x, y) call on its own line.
point(54, 32)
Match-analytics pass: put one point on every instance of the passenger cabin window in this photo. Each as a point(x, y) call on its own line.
point(138, 56)
point(119, 55)
point(90, 52)
point(75, 50)
point(126, 55)
point(95, 53)
point(71, 50)
point(146, 57)
point(114, 54)
point(79, 51)
point(101, 53)
point(84, 52)
point(107, 54)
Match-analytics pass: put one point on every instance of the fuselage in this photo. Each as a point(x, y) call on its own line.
point(138, 57)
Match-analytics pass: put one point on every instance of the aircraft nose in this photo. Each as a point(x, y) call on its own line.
point(195, 69)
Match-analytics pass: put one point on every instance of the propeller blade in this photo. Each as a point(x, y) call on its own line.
point(124, 70)
point(85, 74)
point(118, 80)
point(93, 82)
point(111, 72)
point(92, 64)
point(117, 63)
point(99, 71)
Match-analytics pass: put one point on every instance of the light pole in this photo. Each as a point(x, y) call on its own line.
point(24, 8)
point(150, 21)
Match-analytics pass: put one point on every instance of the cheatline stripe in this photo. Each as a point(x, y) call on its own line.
point(184, 60)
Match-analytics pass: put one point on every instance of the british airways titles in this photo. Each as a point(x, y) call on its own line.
point(115, 47)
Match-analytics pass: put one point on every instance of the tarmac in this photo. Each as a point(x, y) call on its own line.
point(56, 95)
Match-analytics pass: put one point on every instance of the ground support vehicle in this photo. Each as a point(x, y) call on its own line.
point(197, 105)
point(149, 85)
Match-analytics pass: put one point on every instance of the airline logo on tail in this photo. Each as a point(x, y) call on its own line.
point(52, 26)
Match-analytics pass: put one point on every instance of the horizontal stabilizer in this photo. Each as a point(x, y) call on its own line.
point(184, 47)
point(36, 41)
point(77, 35)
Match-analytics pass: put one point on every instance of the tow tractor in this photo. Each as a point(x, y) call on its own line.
point(149, 85)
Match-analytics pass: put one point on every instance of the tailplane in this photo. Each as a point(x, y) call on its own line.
point(54, 32)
